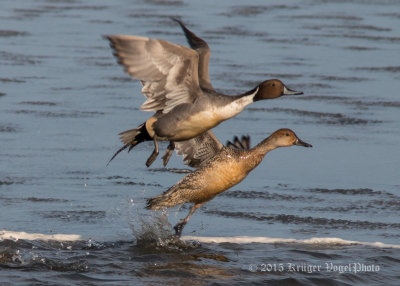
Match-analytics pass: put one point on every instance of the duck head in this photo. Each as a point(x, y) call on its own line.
point(273, 88)
point(286, 137)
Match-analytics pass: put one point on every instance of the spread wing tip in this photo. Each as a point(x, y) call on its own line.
point(243, 143)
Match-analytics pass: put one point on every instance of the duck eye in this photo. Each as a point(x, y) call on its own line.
point(273, 84)
point(287, 134)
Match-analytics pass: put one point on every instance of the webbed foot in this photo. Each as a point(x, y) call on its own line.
point(178, 228)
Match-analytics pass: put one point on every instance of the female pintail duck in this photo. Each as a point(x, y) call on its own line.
point(176, 83)
point(219, 168)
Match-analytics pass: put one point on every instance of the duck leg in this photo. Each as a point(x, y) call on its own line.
point(168, 153)
point(180, 225)
point(153, 155)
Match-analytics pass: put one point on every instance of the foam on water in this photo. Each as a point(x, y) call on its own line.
point(269, 240)
point(143, 235)
point(16, 235)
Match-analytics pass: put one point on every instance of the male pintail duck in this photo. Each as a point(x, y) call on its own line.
point(176, 83)
point(219, 168)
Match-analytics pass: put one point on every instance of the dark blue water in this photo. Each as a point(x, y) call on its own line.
point(321, 216)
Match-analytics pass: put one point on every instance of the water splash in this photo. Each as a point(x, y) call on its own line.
point(154, 232)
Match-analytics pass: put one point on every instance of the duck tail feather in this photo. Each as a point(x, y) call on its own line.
point(131, 138)
point(156, 203)
point(116, 153)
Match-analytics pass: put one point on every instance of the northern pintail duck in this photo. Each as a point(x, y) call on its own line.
point(176, 83)
point(219, 168)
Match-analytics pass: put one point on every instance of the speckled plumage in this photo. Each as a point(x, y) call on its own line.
point(226, 168)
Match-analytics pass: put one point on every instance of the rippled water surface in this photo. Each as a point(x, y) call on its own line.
point(327, 215)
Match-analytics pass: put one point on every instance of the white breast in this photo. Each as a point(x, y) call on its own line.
point(235, 107)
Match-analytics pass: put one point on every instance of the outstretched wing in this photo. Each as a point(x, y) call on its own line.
point(201, 47)
point(169, 72)
point(199, 149)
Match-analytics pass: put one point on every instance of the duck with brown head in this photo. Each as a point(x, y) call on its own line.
point(177, 86)
point(273, 88)
point(218, 169)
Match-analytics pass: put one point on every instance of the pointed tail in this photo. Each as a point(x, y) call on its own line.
point(155, 203)
point(168, 199)
point(131, 138)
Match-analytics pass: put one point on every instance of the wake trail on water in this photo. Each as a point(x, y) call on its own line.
point(17, 235)
point(328, 241)
point(270, 240)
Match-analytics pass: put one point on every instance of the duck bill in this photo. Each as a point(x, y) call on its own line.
point(302, 143)
point(288, 91)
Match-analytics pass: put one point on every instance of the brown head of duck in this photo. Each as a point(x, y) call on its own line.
point(286, 138)
point(273, 88)
point(281, 138)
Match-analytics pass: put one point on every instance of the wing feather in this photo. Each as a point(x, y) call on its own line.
point(201, 47)
point(243, 143)
point(168, 72)
point(199, 149)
